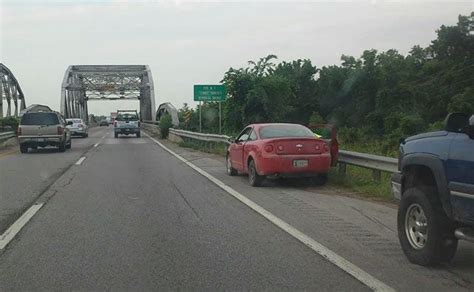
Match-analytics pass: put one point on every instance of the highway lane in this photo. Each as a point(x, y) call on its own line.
point(363, 232)
point(151, 222)
point(23, 177)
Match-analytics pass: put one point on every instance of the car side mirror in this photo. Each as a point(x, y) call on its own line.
point(231, 140)
point(69, 123)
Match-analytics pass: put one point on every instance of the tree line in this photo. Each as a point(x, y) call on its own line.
point(373, 99)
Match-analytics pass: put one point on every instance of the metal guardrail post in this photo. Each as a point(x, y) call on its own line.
point(376, 175)
point(342, 168)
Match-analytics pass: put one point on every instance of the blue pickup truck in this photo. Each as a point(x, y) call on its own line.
point(435, 186)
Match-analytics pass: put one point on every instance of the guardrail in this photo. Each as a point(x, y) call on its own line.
point(374, 162)
point(6, 135)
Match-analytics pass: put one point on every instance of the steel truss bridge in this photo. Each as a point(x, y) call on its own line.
point(82, 83)
point(10, 90)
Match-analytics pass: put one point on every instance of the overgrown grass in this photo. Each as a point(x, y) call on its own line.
point(360, 180)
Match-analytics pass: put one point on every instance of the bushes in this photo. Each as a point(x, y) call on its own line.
point(9, 124)
point(165, 125)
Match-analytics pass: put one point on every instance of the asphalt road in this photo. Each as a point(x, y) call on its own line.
point(133, 217)
point(25, 177)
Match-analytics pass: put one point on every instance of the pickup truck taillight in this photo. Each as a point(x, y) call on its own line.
point(18, 131)
point(115, 123)
point(60, 130)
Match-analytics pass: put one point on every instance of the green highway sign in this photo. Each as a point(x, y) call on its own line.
point(209, 93)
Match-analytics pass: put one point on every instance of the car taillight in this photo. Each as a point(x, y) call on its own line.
point(81, 126)
point(325, 147)
point(268, 148)
point(60, 130)
point(18, 131)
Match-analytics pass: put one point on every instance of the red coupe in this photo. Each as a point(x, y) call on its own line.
point(278, 150)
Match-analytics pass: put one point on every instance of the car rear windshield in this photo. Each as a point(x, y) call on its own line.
point(280, 131)
point(127, 117)
point(75, 121)
point(40, 119)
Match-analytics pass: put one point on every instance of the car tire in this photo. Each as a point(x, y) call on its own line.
point(23, 148)
point(62, 147)
point(255, 179)
point(116, 135)
point(138, 135)
point(425, 232)
point(69, 145)
point(320, 179)
point(230, 170)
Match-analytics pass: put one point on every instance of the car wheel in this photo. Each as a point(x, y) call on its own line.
point(116, 135)
point(230, 170)
point(138, 135)
point(320, 179)
point(23, 148)
point(255, 179)
point(426, 234)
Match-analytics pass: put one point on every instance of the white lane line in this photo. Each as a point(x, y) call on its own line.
point(96, 144)
point(325, 252)
point(13, 230)
point(79, 162)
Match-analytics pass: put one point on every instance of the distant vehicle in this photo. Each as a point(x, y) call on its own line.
point(78, 127)
point(41, 129)
point(104, 123)
point(127, 123)
point(278, 150)
point(435, 187)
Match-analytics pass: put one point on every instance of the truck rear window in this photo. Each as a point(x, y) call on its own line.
point(40, 119)
point(127, 117)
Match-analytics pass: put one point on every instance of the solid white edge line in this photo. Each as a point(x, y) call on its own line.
point(328, 254)
point(96, 144)
point(13, 230)
point(79, 162)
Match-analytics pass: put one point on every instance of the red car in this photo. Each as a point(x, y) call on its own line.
point(278, 150)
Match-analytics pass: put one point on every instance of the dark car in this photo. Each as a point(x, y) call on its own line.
point(436, 188)
point(103, 123)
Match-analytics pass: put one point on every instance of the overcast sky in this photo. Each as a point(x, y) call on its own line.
point(188, 43)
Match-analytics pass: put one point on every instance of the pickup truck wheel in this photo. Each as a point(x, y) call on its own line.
point(116, 135)
point(425, 232)
point(62, 147)
point(69, 145)
point(138, 135)
point(230, 170)
point(255, 179)
point(23, 148)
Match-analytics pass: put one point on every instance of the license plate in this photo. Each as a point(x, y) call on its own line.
point(300, 163)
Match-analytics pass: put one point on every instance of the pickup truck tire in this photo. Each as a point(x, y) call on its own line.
point(23, 148)
point(138, 135)
point(425, 232)
point(69, 145)
point(116, 135)
point(62, 147)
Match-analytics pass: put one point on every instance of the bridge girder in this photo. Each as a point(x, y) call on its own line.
point(10, 91)
point(82, 83)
